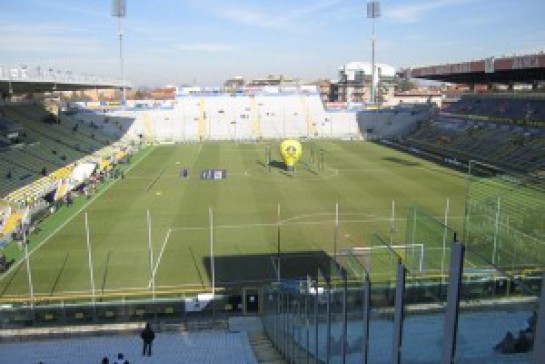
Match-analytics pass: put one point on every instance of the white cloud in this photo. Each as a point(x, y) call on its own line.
point(97, 10)
point(418, 10)
point(44, 38)
point(277, 18)
point(204, 47)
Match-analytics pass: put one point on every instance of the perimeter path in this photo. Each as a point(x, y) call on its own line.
point(205, 347)
point(141, 156)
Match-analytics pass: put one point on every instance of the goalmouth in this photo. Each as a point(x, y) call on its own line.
point(412, 255)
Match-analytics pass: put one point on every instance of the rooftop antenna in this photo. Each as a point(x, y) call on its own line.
point(119, 10)
point(373, 12)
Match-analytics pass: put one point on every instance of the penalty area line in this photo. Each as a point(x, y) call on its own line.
point(61, 226)
point(167, 236)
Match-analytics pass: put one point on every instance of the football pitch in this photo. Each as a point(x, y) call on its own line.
point(238, 223)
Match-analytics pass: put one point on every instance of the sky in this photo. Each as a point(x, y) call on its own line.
point(174, 42)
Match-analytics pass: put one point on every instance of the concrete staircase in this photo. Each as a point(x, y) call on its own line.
point(264, 350)
point(261, 345)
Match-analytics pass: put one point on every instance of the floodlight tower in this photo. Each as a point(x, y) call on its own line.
point(373, 12)
point(119, 10)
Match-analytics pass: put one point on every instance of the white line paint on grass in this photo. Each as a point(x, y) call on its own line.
point(160, 256)
point(288, 222)
point(90, 201)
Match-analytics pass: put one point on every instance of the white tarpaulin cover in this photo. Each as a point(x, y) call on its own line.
point(82, 172)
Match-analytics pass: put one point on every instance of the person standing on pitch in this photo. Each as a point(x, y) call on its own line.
point(147, 336)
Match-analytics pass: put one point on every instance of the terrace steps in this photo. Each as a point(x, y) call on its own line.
point(264, 350)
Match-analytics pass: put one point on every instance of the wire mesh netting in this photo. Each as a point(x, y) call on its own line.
point(504, 222)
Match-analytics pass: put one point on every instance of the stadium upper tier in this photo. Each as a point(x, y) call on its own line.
point(500, 130)
point(228, 117)
point(35, 145)
point(527, 111)
point(393, 123)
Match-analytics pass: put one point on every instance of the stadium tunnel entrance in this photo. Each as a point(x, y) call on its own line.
point(251, 272)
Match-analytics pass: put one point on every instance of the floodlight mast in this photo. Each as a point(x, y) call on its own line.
point(373, 12)
point(119, 10)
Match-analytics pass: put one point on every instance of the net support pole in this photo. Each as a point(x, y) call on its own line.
point(150, 256)
point(307, 331)
point(212, 262)
point(445, 233)
point(496, 229)
point(90, 256)
point(421, 258)
point(539, 341)
point(286, 325)
point(336, 233)
point(344, 334)
point(413, 237)
point(28, 270)
point(398, 313)
point(392, 222)
point(328, 317)
point(268, 157)
point(321, 160)
point(316, 317)
point(278, 243)
point(365, 317)
point(453, 302)
point(414, 227)
point(277, 319)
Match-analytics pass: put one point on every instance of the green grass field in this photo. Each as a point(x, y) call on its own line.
point(363, 178)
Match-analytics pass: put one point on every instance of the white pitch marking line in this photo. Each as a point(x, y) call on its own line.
point(160, 255)
point(289, 222)
point(4, 275)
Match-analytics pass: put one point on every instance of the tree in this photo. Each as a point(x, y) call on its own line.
point(404, 84)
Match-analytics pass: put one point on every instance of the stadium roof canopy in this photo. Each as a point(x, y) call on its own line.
point(526, 69)
point(19, 80)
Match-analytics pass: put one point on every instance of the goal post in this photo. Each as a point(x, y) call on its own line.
point(425, 229)
point(412, 255)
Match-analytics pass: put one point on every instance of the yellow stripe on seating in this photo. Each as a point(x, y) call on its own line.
point(11, 223)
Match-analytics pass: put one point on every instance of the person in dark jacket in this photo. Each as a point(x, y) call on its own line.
point(507, 345)
point(147, 336)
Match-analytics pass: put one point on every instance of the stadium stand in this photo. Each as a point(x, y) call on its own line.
point(392, 123)
point(39, 149)
point(503, 130)
point(229, 117)
point(518, 108)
